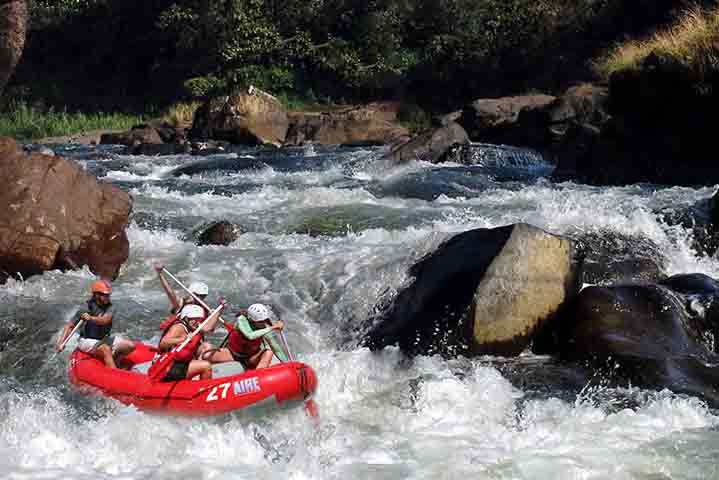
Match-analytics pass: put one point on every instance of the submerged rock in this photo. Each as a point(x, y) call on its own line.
point(226, 163)
point(58, 216)
point(218, 233)
point(648, 331)
point(485, 291)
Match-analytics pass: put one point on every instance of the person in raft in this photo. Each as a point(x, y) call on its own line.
point(244, 343)
point(198, 288)
point(95, 337)
point(186, 365)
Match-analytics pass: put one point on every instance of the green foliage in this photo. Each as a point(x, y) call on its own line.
point(200, 87)
point(24, 122)
point(414, 118)
point(270, 78)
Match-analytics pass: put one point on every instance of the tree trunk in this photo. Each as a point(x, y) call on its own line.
point(13, 24)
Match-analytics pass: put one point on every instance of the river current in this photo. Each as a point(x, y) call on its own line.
point(327, 230)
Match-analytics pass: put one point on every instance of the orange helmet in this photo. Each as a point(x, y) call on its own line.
point(101, 286)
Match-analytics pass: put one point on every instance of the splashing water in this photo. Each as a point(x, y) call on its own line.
point(383, 415)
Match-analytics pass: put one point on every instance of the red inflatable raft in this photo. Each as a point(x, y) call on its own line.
point(287, 384)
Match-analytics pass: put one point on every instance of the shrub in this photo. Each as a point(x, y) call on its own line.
point(691, 44)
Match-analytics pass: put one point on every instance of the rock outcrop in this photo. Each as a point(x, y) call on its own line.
point(485, 291)
point(366, 125)
point(249, 117)
point(58, 216)
point(430, 146)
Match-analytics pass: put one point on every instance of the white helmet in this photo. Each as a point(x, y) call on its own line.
point(199, 288)
point(258, 312)
point(192, 311)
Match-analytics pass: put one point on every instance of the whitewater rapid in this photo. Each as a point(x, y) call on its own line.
point(383, 415)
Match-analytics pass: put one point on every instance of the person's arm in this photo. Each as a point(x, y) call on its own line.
point(175, 336)
point(65, 332)
point(104, 319)
point(210, 326)
point(174, 302)
point(243, 325)
point(277, 347)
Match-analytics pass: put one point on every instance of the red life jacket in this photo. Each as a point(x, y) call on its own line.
point(189, 350)
point(239, 344)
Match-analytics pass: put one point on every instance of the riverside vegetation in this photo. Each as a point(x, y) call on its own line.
point(147, 56)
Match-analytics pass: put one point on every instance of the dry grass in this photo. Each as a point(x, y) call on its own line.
point(180, 114)
point(693, 43)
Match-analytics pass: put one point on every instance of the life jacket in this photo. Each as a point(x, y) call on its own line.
point(188, 351)
point(92, 329)
point(240, 344)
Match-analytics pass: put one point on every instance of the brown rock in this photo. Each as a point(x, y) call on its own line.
point(58, 216)
point(431, 145)
point(357, 125)
point(249, 117)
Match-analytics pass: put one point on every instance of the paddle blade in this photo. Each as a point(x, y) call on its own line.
point(161, 366)
point(312, 410)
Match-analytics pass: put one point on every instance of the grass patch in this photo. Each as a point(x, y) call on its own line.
point(181, 114)
point(692, 43)
point(24, 123)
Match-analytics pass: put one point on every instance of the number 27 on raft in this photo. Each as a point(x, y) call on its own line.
point(212, 396)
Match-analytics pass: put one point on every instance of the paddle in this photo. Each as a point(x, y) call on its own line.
point(310, 406)
point(67, 339)
point(163, 364)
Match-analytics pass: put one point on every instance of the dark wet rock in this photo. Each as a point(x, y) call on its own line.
point(218, 233)
point(58, 216)
point(611, 258)
point(505, 120)
point(366, 125)
point(247, 117)
point(142, 134)
point(648, 332)
point(485, 291)
point(430, 146)
point(226, 163)
point(155, 149)
point(13, 27)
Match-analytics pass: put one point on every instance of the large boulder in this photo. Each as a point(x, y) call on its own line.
point(58, 216)
point(507, 120)
point(485, 291)
point(13, 26)
point(367, 125)
point(248, 117)
point(660, 335)
point(430, 146)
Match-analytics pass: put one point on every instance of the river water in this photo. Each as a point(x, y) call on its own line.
point(382, 415)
